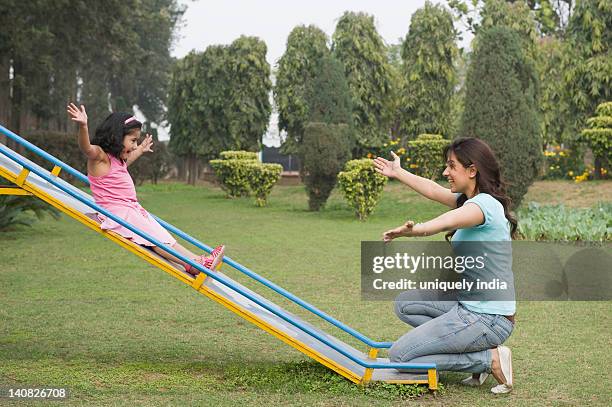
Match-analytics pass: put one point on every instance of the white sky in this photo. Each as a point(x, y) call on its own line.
point(208, 22)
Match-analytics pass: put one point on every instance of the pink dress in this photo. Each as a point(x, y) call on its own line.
point(115, 192)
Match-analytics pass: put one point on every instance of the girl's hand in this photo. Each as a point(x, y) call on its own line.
point(146, 144)
point(386, 167)
point(76, 115)
point(404, 230)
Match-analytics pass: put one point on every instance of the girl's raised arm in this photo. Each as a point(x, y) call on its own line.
point(426, 187)
point(91, 151)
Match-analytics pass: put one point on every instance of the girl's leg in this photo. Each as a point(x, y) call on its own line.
point(174, 259)
point(183, 251)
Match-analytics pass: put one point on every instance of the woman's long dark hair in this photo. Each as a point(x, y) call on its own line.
point(109, 135)
point(470, 150)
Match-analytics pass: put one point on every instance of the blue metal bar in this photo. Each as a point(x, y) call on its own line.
point(290, 296)
point(283, 315)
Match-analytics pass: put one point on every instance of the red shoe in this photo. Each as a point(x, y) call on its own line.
point(217, 250)
point(213, 261)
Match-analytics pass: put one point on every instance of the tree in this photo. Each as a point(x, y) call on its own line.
point(323, 154)
point(361, 50)
point(599, 138)
point(587, 67)
point(556, 122)
point(184, 107)
point(112, 51)
point(551, 16)
point(249, 108)
point(219, 100)
point(306, 45)
point(328, 134)
point(428, 52)
point(500, 107)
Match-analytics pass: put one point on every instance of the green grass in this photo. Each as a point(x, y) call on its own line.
point(77, 311)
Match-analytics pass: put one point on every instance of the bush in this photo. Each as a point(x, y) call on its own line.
point(14, 209)
point(234, 176)
point(324, 150)
point(558, 223)
point(263, 177)
point(426, 155)
point(238, 155)
point(240, 173)
point(362, 186)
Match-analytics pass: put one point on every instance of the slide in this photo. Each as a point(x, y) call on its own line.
point(358, 366)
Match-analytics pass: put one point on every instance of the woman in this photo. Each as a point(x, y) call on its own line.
point(462, 335)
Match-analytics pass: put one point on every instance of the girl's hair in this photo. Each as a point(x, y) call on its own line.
point(470, 150)
point(109, 135)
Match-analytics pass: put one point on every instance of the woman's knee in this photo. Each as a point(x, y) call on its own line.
point(404, 312)
point(395, 354)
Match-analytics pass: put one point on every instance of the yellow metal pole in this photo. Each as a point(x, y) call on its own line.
point(432, 377)
point(13, 191)
point(197, 283)
point(20, 180)
point(367, 376)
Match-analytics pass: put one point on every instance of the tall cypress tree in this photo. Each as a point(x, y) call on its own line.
point(328, 135)
point(306, 45)
point(361, 50)
point(500, 107)
point(428, 52)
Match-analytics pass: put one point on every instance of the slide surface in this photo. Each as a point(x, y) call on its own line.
point(229, 297)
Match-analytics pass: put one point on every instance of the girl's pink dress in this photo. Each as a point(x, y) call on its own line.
point(115, 192)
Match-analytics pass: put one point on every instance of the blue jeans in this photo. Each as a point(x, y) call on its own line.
point(449, 335)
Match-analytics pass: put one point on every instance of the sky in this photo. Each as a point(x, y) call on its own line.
point(208, 22)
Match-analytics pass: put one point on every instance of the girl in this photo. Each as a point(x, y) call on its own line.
point(113, 149)
point(460, 335)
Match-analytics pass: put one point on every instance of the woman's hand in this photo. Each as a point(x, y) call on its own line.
point(404, 230)
point(76, 115)
point(386, 167)
point(146, 144)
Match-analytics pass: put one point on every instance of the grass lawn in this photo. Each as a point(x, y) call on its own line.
point(77, 311)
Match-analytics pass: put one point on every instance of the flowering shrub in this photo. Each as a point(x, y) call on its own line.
point(426, 155)
point(385, 152)
point(362, 186)
point(562, 163)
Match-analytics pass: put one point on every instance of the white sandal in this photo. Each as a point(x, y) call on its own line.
point(473, 382)
point(505, 361)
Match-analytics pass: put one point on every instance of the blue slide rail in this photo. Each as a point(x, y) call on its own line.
point(281, 314)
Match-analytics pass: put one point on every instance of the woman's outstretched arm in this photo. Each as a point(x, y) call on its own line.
point(426, 187)
point(467, 216)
